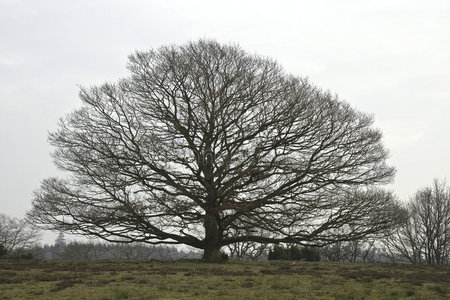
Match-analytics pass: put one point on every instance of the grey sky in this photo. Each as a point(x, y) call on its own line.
point(388, 58)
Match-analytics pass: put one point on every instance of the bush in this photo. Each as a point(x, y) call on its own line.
point(310, 254)
point(3, 250)
point(294, 253)
point(23, 256)
point(278, 253)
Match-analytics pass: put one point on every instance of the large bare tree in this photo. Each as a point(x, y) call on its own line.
point(204, 141)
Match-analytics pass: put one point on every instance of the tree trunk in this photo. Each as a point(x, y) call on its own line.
point(213, 236)
point(213, 255)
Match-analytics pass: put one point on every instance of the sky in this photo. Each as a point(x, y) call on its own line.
point(387, 58)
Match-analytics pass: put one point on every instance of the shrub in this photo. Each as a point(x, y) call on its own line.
point(278, 253)
point(294, 253)
point(3, 250)
point(310, 254)
point(25, 256)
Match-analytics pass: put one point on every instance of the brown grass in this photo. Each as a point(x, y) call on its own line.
point(32, 279)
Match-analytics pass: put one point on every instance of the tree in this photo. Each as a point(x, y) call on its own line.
point(247, 250)
point(424, 238)
point(16, 235)
point(204, 140)
point(79, 250)
point(60, 241)
point(363, 249)
point(59, 248)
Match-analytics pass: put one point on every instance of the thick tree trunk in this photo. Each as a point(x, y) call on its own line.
point(213, 236)
point(213, 255)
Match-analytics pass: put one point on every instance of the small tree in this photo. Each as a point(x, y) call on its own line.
point(363, 249)
point(59, 247)
point(60, 241)
point(203, 140)
point(17, 235)
point(425, 235)
point(247, 249)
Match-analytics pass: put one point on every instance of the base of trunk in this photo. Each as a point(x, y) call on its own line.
point(214, 255)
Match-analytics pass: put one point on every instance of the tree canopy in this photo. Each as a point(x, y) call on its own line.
point(207, 145)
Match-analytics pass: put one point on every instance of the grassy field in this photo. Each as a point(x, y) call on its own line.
point(32, 279)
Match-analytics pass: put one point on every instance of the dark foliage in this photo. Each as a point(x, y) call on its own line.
point(3, 250)
point(294, 253)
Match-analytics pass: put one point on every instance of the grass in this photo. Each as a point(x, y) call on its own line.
point(108, 280)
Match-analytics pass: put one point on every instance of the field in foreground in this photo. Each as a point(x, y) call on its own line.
point(31, 279)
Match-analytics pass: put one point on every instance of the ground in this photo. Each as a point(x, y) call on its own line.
point(60, 279)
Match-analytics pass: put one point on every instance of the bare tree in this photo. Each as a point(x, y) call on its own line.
point(247, 249)
point(348, 251)
point(83, 250)
point(425, 236)
point(138, 251)
point(203, 140)
point(363, 250)
point(367, 248)
point(360, 250)
point(16, 235)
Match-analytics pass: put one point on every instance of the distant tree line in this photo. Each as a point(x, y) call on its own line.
point(18, 239)
point(102, 250)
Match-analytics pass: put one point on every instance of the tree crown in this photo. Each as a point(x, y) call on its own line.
point(203, 142)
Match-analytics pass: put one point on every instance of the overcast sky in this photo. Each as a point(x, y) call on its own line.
point(387, 58)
